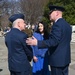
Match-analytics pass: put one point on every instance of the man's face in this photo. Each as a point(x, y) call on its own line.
point(52, 16)
point(22, 24)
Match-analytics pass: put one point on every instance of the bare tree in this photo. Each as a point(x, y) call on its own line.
point(33, 9)
point(7, 8)
point(2, 4)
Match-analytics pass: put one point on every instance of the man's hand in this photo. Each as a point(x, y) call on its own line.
point(35, 59)
point(31, 41)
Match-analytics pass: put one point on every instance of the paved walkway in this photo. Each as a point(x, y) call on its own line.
point(4, 64)
point(3, 58)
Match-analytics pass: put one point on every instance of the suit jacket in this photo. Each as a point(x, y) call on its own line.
point(58, 43)
point(19, 54)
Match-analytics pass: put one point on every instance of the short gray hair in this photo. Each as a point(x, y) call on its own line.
point(14, 23)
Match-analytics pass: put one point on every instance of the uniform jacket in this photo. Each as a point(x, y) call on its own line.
point(58, 43)
point(19, 54)
point(36, 51)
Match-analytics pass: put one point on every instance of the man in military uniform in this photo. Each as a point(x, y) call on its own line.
point(19, 54)
point(58, 42)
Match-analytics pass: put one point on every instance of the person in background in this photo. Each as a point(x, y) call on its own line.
point(40, 56)
point(58, 42)
point(33, 28)
point(19, 54)
point(6, 31)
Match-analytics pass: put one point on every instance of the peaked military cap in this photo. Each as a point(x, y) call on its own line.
point(53, 8)
point(16, 16)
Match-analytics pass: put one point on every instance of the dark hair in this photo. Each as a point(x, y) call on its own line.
point(46, 33)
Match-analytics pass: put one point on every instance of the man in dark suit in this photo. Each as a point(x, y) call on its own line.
point(58, 42)
point(19, 54)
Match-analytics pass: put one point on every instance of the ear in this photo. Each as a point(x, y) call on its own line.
point(18, 24)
